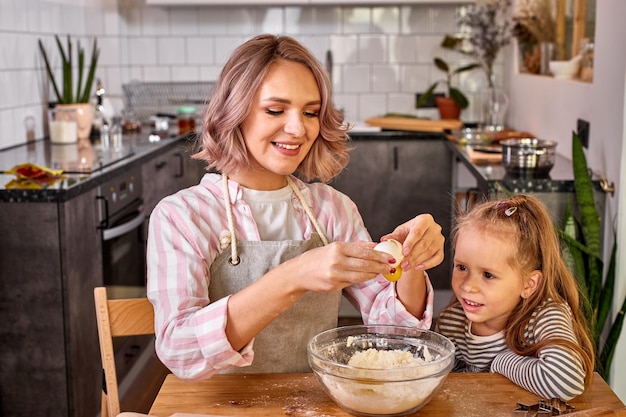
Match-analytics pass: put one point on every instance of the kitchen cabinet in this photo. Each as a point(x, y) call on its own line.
point(169, 172)
point(394, 176)
point(52, 258)
point(50, 263)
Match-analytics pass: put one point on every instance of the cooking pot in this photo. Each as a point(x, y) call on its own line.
point(529, 156)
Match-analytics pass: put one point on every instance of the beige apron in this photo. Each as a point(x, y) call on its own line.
point(281, 346)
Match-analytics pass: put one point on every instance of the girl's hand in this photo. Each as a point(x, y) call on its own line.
point(338, 265)
point(422, 242)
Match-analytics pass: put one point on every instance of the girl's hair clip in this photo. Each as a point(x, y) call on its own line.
point(508, 210)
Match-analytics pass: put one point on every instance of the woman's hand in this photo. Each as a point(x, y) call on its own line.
point(422, 242)
point(338, 265)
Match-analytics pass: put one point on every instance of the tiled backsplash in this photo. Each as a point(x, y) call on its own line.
point(382, 55)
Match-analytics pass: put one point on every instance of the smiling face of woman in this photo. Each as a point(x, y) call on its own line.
point(281, 127)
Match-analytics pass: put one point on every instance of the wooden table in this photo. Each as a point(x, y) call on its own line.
point(299, 395)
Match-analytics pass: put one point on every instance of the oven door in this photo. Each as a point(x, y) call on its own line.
point(124, 251)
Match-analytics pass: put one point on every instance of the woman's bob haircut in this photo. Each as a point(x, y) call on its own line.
point(222, 144)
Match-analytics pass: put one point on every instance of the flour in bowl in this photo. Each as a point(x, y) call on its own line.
point(384, 359)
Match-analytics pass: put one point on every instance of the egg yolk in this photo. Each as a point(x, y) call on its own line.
point(395, 276)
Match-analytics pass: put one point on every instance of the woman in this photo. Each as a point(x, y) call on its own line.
point(248, 265)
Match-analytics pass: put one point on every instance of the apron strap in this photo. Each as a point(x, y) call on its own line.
point(308, 211)
point(234, 257)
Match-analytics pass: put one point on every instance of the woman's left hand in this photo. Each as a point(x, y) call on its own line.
point(422, 242)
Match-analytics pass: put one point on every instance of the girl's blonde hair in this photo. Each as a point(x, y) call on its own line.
point(222, 143)
point(527, 223)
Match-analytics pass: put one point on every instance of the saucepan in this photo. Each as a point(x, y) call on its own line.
point(528, 156)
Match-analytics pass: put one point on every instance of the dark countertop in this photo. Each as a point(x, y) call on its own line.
point(394, 135)
point(85, 165)
point(490, 177)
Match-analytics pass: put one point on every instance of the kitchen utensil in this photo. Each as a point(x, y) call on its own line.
point(390, 391)
point(414, 124)
point(565, 70)
point(528, 156)
point(483, 158)
point(149, 98)
point(480, 136)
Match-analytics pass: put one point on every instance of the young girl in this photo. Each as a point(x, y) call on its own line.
point(247, 266)
point(517, 309)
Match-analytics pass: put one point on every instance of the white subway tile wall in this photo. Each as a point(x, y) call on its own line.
point(382, 55)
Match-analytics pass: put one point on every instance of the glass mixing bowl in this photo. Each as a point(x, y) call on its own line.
point(394, 390)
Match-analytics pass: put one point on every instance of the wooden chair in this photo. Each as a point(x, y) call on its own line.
point(118, 318)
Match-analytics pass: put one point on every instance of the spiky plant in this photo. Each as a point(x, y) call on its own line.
point(65, 94)
point(582, 250)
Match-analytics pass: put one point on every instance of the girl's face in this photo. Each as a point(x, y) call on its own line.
point(483, 280)
point(282, 125)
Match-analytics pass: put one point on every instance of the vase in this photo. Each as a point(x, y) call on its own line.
point(529, 58)
point(496, 104)
point(448, 108)
point(84, 118)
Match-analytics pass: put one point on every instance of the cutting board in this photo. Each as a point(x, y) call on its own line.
point(483, 158)
point(414, 124)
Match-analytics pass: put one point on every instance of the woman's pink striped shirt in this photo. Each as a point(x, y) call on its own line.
point(183, 241)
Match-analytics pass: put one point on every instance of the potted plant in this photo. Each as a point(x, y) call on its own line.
point(582, 237)
point(69, 95)
point(451, 105)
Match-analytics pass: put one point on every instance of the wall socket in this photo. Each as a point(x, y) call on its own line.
point(582, 130)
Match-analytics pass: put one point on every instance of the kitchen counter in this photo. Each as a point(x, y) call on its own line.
point(555, 190)
point(84, 165)
point(54, 252)
point(491, 176)
point(359, 135)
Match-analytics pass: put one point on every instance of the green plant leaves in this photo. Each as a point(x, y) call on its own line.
point(424, 97)
point(65, 95)
point(453, 92)
point(465, 68)
point(49, 69)
point(441, 64)
point(95, 54)
point(582, 252)
point(459, 97)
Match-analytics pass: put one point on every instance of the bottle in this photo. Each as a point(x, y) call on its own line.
point(186, 120)
point(105, 137)
point(98, 114)
point(586, 65)
point(116, 133)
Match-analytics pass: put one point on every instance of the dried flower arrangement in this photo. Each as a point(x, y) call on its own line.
point(533, 24)
point(490, 30)
point(485, 29)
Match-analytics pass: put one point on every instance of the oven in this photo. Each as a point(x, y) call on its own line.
point(122, 223)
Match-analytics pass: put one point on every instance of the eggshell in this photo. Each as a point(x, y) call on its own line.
point(393, 248)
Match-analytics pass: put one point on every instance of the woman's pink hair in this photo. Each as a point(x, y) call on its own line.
point(222, 143)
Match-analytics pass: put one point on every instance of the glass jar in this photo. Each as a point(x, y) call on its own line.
point(586, 66)
point(186, 119)
point(130, 124)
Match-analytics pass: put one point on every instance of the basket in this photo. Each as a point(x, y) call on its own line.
point(146, 99)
